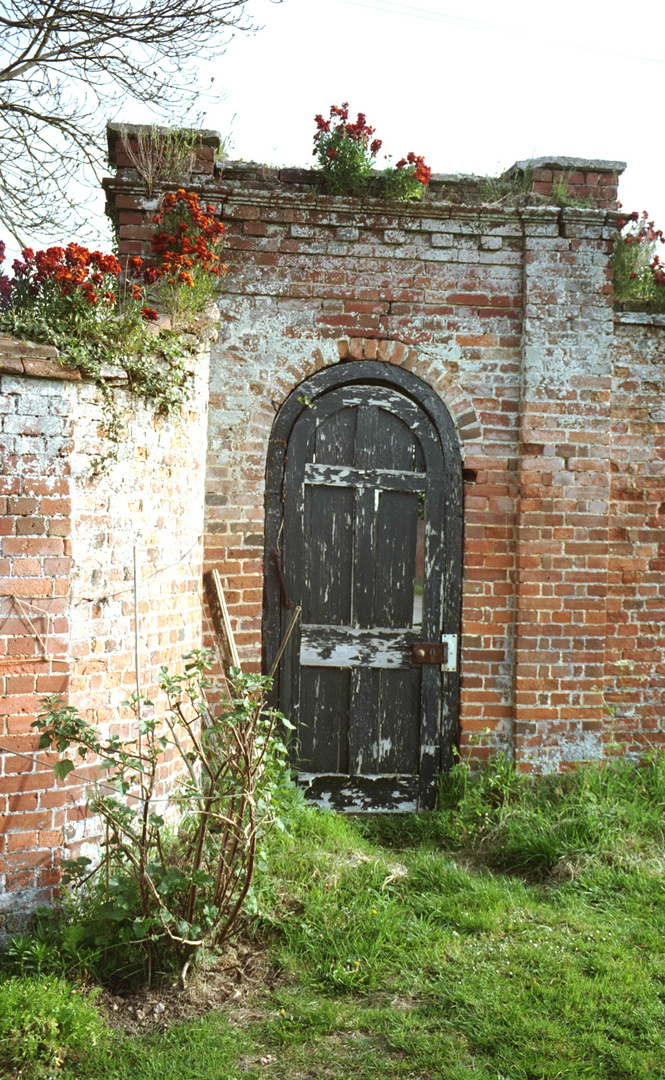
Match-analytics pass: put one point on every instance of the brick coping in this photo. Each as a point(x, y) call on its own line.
point(639, 318)
point(257, 185)
point(33, 358)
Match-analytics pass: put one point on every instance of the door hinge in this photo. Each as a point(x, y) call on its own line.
point(451, 643)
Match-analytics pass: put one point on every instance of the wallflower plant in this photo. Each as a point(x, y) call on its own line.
point(346, 155)
point(82, 302)
point(187, 245)
point(639, 271)
point(408, 179)
point(344, 152)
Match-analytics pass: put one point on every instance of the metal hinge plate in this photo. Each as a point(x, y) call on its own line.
point(451, 644)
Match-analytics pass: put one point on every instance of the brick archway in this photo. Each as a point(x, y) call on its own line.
point(427, 367)
point(236, 473)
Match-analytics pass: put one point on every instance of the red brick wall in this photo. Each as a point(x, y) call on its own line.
point(506, 311)
point(571, 181)
point(636, 583)
point(35, 528)
point(564, 490)
point(67, 598)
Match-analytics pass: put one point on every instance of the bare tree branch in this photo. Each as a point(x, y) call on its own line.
point(66, 68)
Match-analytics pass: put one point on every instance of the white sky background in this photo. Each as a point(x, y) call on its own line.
point(471, 87)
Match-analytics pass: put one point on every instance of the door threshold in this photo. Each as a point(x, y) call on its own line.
point(384, 793)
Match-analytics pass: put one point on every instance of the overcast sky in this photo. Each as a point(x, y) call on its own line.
point(472, 87)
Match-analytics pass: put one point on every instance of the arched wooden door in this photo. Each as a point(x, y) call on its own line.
point(364, 531)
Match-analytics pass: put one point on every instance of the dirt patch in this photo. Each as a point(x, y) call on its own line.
point(242, 970)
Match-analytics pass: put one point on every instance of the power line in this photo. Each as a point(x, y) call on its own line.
point(391, 7)
point(411, 12)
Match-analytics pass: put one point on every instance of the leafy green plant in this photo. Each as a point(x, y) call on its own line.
point(563, 196)
point(346, 155)
point(46, 1025)
point(408, 179)
point(28, 955)
point(160, 894)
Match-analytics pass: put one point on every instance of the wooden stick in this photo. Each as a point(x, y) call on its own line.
point(283, 643)
point(221, 621)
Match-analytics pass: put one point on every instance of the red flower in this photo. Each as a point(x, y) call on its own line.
point(90, 294)
point(149, 314)
point(151, 275)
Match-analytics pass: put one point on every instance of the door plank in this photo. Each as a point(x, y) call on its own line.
point(385, 479)
point(347, 646)
point(364, 721)
point(397, 534)
point(335, 435)
point(323, 729)
point(399, 722)
point(328, 527)
point(293, 562)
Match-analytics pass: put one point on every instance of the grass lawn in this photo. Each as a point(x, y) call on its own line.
point(518, 933)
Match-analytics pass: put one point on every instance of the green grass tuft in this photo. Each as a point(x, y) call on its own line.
point(46, 1024)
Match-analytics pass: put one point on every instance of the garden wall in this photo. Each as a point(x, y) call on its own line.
point(67, 586)
point(506, 311)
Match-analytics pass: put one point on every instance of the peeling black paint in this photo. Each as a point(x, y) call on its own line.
point(342, 507)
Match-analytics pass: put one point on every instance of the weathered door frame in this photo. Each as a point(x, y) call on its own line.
point(346, 375)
